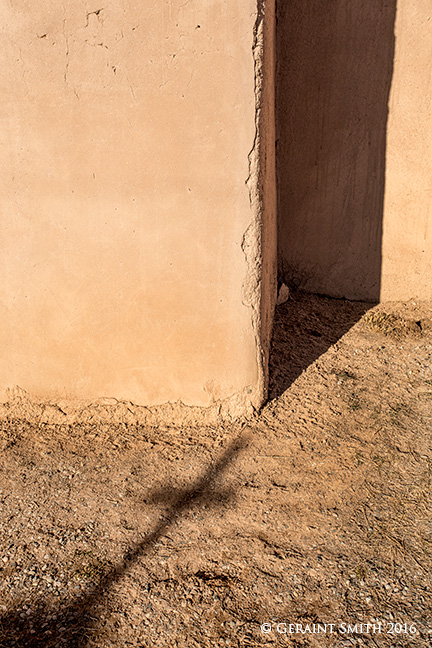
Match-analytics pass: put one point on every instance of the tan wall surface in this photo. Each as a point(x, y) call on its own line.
point(125, 134)
point(407, 227)
point(354, 147)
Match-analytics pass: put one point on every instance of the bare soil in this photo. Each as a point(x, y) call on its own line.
point(316, 512)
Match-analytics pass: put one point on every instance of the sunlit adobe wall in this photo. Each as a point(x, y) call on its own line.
point(407, 227)
point(133, 139)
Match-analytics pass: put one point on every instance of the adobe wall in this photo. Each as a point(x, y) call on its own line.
point(137, 142)
point(354, 160)
point(407, 226)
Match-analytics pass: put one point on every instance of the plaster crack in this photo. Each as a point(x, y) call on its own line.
point(93, 13)
point(184, 5)
point(257, 45)
point(132, 91)
point(67, 52)
point(252, 239)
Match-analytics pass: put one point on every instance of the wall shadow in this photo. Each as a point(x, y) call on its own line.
point(334, 71)
point(305, 327)
point(76, 622)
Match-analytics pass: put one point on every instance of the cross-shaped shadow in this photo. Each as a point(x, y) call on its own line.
point(76, 621)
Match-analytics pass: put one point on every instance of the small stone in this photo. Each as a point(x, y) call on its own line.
point(283, 295)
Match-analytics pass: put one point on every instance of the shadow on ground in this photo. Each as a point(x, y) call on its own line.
point(305, 327)
point(75, 623)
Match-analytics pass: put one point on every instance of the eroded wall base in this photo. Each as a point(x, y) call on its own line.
point(20, 405)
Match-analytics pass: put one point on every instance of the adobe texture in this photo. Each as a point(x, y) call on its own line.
point(137, 248)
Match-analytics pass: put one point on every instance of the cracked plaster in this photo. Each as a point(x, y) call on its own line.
point(139, 264)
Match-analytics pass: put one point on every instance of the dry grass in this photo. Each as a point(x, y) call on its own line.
point(391, 324)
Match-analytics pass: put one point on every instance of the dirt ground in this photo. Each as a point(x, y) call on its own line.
point(315, 516)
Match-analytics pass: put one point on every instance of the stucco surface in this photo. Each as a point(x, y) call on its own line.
point(407, 227)
point(126, 133)
point(354, 162)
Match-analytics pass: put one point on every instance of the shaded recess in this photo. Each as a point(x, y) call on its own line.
point(334, 71)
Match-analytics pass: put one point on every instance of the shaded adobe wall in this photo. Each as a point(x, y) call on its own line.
point(131, 173)
point(345, 154)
